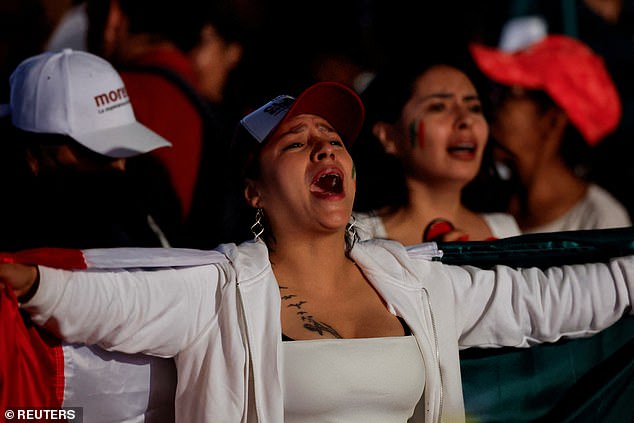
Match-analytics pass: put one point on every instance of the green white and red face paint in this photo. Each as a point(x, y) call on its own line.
point(417, 134)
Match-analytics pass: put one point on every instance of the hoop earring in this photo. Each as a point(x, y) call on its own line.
point(351, 234)
point(257, 229)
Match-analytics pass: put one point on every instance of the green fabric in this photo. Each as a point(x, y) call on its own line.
point(543, 249)
point(579, 380)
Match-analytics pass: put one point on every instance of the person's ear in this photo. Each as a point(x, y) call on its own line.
point(233, 54)
point(252, 194)
point(385, 133)
point(559, 121)
point(554, 123)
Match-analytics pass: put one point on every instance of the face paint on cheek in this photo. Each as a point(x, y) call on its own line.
point(421, 134)
point(412, 134)
point(354, 174)
point(417, 134)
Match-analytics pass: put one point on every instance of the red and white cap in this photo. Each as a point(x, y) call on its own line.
point(81, 95)
point(333, 101)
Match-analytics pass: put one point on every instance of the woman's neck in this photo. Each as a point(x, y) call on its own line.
point(426, 203)
point(431, 201)
point(549, 192)
point(296, 259)
point(325, 295)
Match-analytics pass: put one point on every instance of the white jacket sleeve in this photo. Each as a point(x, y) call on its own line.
point(521, 307)
point(158, 312)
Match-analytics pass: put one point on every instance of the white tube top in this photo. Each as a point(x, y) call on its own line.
point(361, 380)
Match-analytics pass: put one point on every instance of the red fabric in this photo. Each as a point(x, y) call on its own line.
point(61, 258)
point(172, 59)
point(31, 361)
point(569, 71)
point(164, 108)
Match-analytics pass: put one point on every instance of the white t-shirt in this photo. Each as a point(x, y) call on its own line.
point(597, 210)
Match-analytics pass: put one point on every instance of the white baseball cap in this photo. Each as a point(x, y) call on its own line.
point(81, 95)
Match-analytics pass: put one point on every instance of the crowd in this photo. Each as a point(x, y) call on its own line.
point(299, 218)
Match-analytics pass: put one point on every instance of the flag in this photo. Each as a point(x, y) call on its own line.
point(37, 370)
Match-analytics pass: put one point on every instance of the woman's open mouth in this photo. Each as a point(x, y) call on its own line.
point(462, 150)
point(327, 183)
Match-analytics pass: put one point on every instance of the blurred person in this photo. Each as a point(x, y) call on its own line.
point(217, 61)
point(606, 27)
point(148, 41)
point(305, 322)
point(68, 135)
point(72, 130)
point(433, 134)
point(219, 51)
point(554, 102)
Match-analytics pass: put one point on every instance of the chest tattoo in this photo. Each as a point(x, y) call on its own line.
point(309, 322)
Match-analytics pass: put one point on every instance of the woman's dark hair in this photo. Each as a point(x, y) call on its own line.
point(244, 164)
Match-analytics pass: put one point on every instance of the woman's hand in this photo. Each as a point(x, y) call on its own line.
point(19, 277)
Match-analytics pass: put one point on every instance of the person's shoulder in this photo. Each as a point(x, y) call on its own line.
point(599, 194)
point(387, 260)
point(502, 225)
point(250, 258)
point(607, 207)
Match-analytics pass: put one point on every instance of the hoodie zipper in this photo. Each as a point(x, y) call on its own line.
point(249, 371)
point(437, 350)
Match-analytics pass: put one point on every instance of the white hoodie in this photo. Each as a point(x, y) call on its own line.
point(221, 321)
